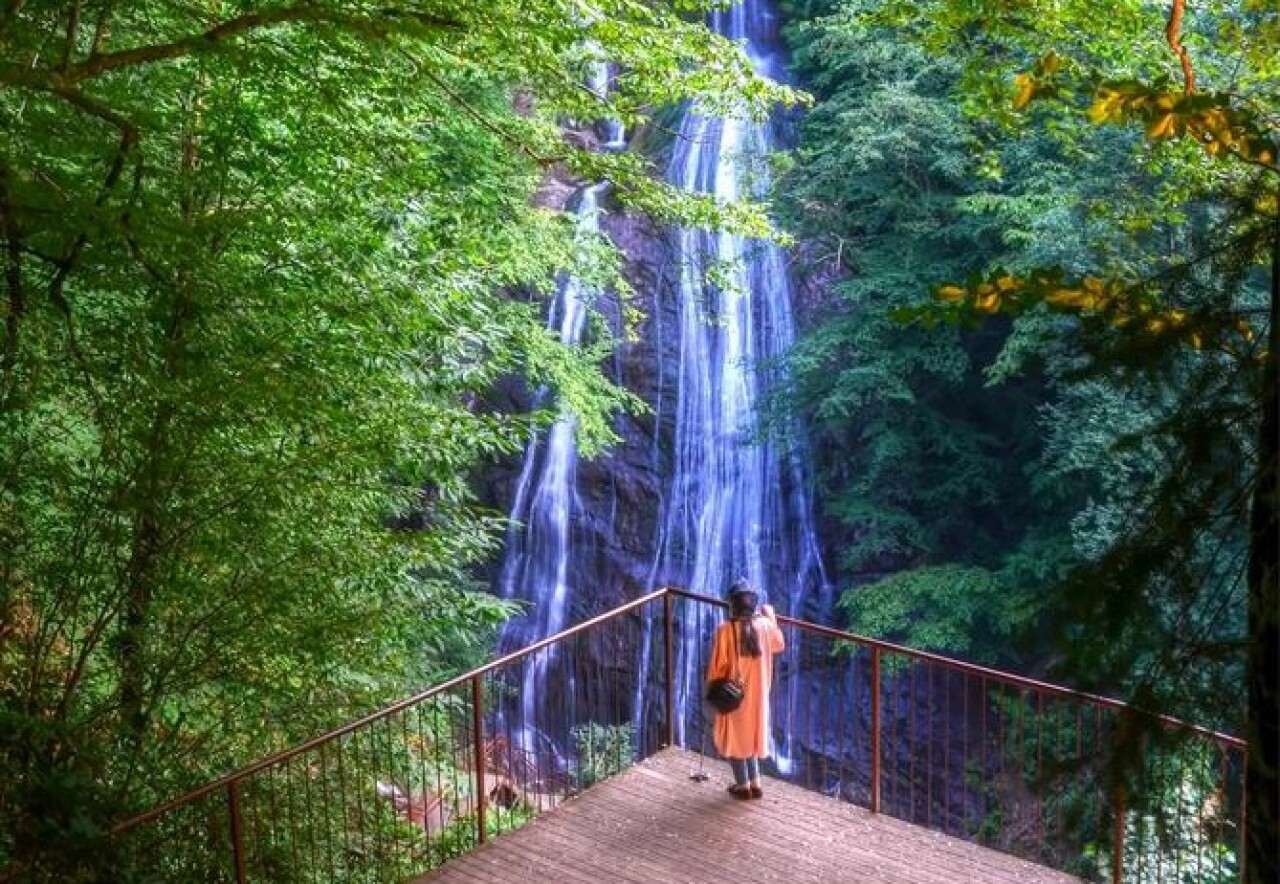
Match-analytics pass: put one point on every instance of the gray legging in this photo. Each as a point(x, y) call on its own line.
point(745, 770)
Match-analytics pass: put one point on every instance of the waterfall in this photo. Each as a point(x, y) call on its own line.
point(737, 504)
point(732, 503)
point(539, 545)
point(613, 135)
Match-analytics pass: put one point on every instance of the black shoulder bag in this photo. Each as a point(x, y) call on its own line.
point(725, 694)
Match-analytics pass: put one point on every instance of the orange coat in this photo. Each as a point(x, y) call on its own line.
point(744, 732)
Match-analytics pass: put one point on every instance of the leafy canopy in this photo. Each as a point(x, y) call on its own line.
point(261, 266)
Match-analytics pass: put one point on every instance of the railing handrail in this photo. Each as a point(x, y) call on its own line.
point(985, 672)
point(386, 712)
point(276, 758)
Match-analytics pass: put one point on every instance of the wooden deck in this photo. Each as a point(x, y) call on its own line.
point(653, 823)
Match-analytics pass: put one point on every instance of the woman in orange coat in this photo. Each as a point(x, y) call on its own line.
point(744, 646)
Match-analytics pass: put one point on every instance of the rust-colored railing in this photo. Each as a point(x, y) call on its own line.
point(1058, 776)
point(1010, 762)
point(402, 790)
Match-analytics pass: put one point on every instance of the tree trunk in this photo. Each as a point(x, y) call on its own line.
point(140, 581)
point(14, 294)
point(136, 623)
point(1262, 792)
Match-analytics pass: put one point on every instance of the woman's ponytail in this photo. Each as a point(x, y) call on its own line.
point(742, 608)
point(748, 638)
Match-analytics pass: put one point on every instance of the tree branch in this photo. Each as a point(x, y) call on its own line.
point(99, 64)
point(13, 279)
point(131, 241)
point(128, 141)
point(73, 34)
point(380, 24)
point(466, 107)
point(66, 264)
point(100, 30)
point(1173, 34)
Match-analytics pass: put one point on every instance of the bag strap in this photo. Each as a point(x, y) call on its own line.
point(737, 653)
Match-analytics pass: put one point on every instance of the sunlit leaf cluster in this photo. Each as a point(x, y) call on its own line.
point(1216, 121)
point(1123, 304)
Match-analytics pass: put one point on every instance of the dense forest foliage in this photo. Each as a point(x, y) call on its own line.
point(257, 267)
point(1075, 439)
point(983, 461)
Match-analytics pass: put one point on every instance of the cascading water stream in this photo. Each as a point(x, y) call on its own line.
point(734, 503)
point(737, 504)
point(539, 543)
point(613, 135)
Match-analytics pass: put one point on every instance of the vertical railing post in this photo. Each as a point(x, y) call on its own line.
point(477, 731)
point(875, 730)
point(237, 830)
point(1243, 849)
point(669, 667)
point(1117, 849)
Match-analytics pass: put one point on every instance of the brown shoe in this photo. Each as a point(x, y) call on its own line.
point(757, 792)
point(742, 793)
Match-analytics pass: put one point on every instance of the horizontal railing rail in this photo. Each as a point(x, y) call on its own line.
point(958, 665)
point(381, 714)
point(1022, 765)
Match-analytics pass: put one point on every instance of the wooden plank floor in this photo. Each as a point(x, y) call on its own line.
point(652, 823)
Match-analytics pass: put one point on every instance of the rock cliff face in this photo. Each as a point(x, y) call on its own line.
point(632, 473)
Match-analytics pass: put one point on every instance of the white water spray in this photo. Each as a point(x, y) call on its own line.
point(540, 542)
point(738, 504)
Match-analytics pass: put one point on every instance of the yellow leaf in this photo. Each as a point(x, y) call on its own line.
point(1026, 91)
point(1105, 107)
point(1214, 118)
point(987, 300)
point(1008, 283)
point(1075, 298)
point(1065, 297)
point(1160, 127)
point(951, 293)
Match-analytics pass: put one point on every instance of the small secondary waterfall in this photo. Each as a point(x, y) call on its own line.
point(539, 546)
point(612, 133)
point(738, 504)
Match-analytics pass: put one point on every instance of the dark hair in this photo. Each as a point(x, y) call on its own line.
point(742, 607)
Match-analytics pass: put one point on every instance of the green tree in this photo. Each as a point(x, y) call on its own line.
point(930, 451)
point(1195, 315)
point(254, 271)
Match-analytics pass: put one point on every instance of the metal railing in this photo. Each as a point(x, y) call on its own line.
point(1020, 765)
point(1054, 775)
